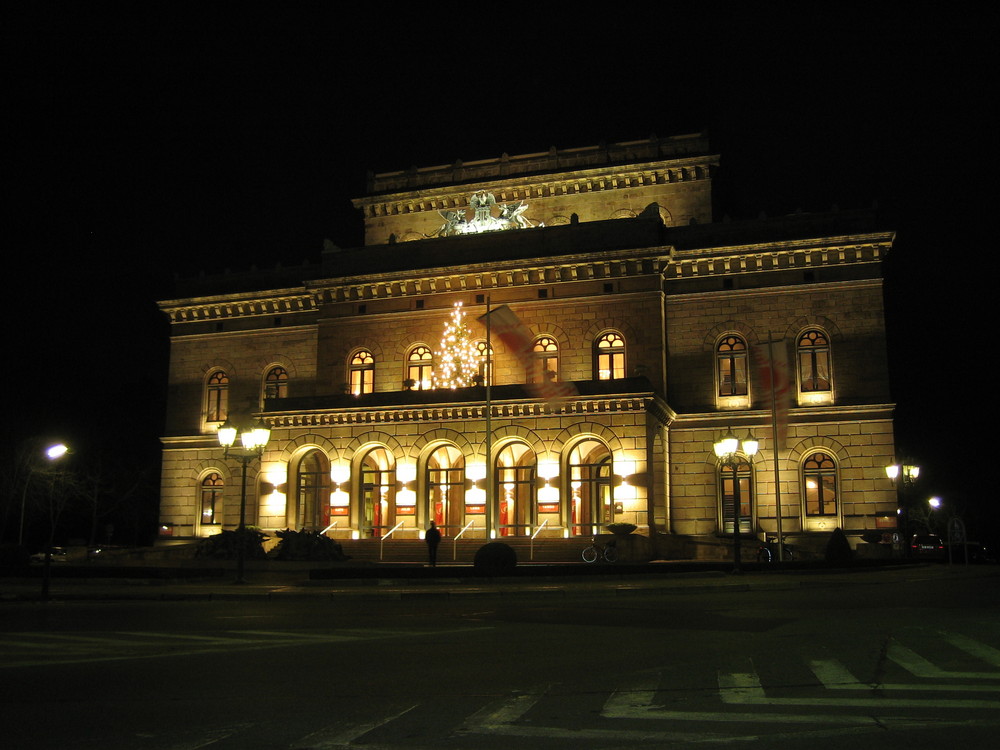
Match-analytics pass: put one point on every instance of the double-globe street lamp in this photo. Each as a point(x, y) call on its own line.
point(728, 451)
point(253, 436)
point(903, 475)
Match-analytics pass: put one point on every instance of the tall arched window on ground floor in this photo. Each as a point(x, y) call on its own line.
point(735, 480)
point(819, 485)
point(445, 489)
point(515, 489)
point(311, 506)
point(212, 487)
point(591, 503)
point(378, 492)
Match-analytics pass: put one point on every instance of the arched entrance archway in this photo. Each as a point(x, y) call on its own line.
point(377, 507)
point(591, 502)
point(445, 488)
point(311, 509)
point(515, 489)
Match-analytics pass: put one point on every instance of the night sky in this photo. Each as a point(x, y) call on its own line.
point(160, 139)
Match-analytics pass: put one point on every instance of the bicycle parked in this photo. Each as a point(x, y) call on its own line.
point(768, 550)
point(608, 551)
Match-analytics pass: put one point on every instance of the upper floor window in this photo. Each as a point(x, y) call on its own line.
point(484, 363)
point(819, 477)
point(546, 353)
point(420, 367)
point(276, 383)
point(610, 355)
point(217, 397)
point(813, 349)
point(211, 498)
point(731, 362)
point(362, 372)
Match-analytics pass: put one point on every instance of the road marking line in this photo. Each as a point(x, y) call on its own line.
point(331, 737)
point(744, 689)
point(509, 711)
point(973, 647)
point(918, 666)
point(632, 702)
point(834, 676)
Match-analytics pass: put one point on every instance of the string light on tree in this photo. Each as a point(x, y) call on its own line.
point(457, 359)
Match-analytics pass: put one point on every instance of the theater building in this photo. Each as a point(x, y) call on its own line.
point(628, 332)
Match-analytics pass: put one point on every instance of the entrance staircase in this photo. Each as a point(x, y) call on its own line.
point(414, 551)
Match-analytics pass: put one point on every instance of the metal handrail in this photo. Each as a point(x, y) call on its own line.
point(531, 546)
point(454, 542)
point(329, 527)
point(386, 535)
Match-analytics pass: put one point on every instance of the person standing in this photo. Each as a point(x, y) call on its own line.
point(433, 539)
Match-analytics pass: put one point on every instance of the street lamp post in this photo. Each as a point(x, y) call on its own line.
point(253, 437)
point(727, 450)
point(53, 453)
point(903, 475)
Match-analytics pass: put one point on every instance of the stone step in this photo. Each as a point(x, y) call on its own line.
point(464, 551)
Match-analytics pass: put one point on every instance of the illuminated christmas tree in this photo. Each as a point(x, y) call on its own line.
point(457, 359)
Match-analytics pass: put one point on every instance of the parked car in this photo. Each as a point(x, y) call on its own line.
point(927, 546)
point(58, 555)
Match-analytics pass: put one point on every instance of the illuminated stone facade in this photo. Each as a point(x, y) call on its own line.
point(626, 289)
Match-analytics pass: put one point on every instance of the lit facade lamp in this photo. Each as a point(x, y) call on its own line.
point(253, 436)
point(728, 450)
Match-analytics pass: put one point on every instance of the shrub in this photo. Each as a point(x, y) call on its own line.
point(306, 545)
point(838, 549)
point(225, 545)
point(495, 559)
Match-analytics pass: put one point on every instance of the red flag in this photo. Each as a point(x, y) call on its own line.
point(516, 336)
point(773, 368)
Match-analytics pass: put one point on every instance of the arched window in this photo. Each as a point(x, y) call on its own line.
point(813, 350)
point(609, 352)
point(546, 355)
point(362, 372)
point(276, 383)
point(312, 492)
point(484, 363)
point(446, 488)
point(217, 397)
point(211, 499)
point(591, 504)
point(731, 366)
point(378, 492)
point(733, 480)
point(420, 367)
point(515, 489)
point(819, 479)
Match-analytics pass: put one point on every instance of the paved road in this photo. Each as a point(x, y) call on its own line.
point(901, 659)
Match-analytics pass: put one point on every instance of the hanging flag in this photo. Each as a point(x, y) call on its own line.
point(775, 377)
point(517, 338)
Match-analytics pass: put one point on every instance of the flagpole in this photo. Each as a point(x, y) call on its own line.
point(774, 442)
point(490, 515)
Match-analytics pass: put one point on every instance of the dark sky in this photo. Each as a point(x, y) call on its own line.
point(155, 139)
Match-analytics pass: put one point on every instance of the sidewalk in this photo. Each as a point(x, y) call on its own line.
point(292, 581)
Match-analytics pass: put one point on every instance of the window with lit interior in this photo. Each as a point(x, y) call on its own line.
point(362, 372)
point(212, 487)
point(819, 479)
point(546, 355)
point(420, 367)
point(609, 350)
point(731, 364)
